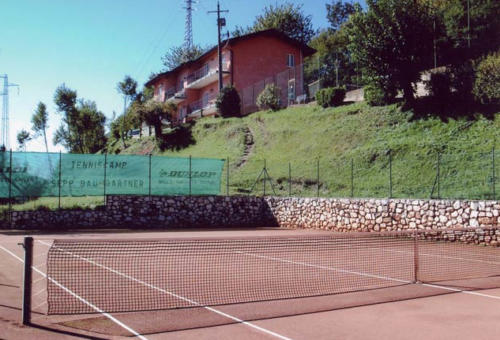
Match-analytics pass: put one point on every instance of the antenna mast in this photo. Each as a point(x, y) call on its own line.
point(5, 137)
point(188, 33)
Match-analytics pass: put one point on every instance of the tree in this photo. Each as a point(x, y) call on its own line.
point(155, 113)
point(40, 123)
point(286, 18)
point(484, 36)
point(178, 55)
point(23, 137)
point(392, 41)
point(128, 88)
point(338, 12)
point(82, 128)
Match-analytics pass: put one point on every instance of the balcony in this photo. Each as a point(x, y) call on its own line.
point(175, 96)
point(202, 107)
point(205, 76)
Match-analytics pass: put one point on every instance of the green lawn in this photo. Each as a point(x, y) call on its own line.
point(352, 143)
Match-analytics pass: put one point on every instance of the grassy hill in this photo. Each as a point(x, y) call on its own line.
point(352, 144)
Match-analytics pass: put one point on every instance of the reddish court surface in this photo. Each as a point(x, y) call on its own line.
point(472, 314)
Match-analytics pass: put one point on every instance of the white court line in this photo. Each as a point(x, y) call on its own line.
point(496, 263)
point(279, 336)
point(325, 267)
point(371, 275)
point(118, 322)
point(462, 291)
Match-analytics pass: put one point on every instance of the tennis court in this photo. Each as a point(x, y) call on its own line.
point(252, 284)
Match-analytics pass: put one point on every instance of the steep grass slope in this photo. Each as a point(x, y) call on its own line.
point(353, 145)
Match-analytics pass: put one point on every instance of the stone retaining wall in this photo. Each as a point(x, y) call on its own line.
point(246, 211)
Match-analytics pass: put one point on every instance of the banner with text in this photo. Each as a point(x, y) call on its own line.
point(35, 174)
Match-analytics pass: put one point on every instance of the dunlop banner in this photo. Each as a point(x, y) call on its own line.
point(51, 174)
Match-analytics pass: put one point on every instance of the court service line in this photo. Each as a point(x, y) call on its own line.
point(325, 267)
point(461, 291)
point(97, 309)
point(496, 263)
point(371, 275)
point(195, 303)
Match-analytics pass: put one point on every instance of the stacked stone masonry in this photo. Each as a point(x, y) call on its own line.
point(342, 215)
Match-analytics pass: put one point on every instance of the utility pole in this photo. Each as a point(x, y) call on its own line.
point(468, 23)
point(5, 145)
point(220, 23)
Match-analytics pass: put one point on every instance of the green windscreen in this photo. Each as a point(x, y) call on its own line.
point(52, 174)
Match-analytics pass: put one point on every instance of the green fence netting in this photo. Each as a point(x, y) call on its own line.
point(35, 174)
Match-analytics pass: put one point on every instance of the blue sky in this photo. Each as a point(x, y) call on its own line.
point(90, 45)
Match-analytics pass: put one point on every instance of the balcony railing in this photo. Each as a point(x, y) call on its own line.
point(198, 74)
point(207, 103)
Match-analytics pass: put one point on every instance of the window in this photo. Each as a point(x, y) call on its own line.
point(290, 60)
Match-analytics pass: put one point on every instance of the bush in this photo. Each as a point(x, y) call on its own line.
point(378, 95)
point(487, 83)
point(439, 85)
point(228, 102)
point(269, 98)
point(331, 96)
point(462, 79)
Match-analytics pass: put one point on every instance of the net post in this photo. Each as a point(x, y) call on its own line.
point(104, 184)
point(227, 178)
point(190, 175)
point(10, 188)
point(59, 181)
point(317, 178)
point(149, 177)
point(390, 174)
point(415, 256)
point(289, 179)
point(352, 177)
point(28, 262)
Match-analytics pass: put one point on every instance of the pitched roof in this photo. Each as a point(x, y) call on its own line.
point(306, 50)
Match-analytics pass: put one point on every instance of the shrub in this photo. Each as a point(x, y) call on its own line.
point(269, 98)
point(439, 85)
point(462, 79)
point(487, 83)
point(331, 96)
point(377, 94)
point(228, 102)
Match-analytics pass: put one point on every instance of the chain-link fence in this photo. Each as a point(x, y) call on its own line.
point(405, 175)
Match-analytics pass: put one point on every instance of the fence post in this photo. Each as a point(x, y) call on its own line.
point(289, 179)
point(390, 174)
point(265, 178)
point(10, 187)
point(28, 262)
point(59, 181)
point(227, 178)
point(317, 178)
point(493, 179)
point(104, 184)
point(149, 176)
point(352, 177)
point(190, 184)
point(439, 175)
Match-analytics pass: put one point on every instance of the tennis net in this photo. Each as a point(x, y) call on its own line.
point(135, 275)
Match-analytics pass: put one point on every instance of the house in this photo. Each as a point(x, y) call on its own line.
point(249, 62)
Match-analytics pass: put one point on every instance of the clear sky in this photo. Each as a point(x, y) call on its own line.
point(90, 45)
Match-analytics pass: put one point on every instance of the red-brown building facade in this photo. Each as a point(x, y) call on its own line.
point(247, 60)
